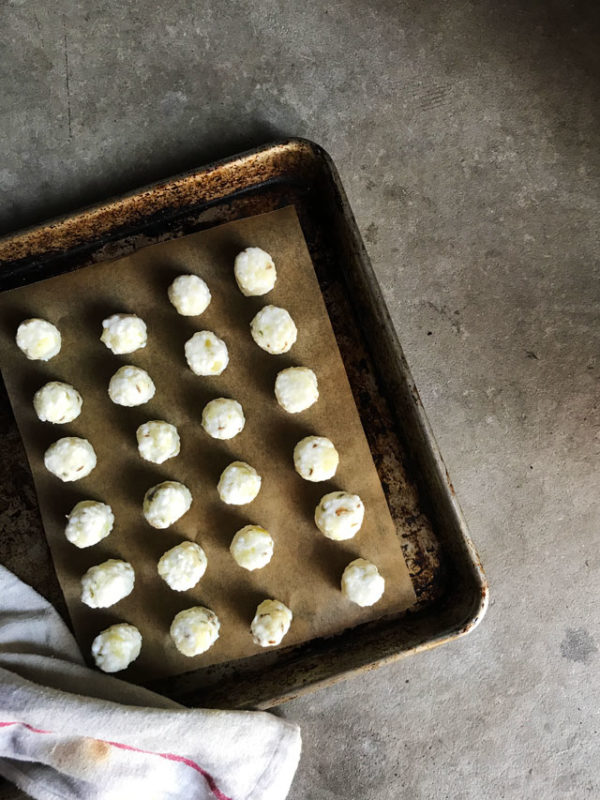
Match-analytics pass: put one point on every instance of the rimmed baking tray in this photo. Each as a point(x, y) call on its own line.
point(448, 580)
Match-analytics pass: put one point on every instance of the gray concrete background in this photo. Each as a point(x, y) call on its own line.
point(467, 137)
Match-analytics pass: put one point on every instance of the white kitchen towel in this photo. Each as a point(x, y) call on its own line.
point(67, 731)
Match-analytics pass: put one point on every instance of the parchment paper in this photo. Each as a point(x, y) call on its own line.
point(306, 568)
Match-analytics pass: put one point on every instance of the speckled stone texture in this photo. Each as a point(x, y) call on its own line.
point(467, 137)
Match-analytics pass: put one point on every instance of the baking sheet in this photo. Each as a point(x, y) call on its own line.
point(306, 568)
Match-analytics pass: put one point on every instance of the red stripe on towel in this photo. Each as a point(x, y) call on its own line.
point(168, 756)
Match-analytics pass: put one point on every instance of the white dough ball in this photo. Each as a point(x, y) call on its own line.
point(88, 523)
point(182, 566)
point(252, 547)
point(296, 389)
point(271, 623)
point(255, 272)
point(131, 386)
point(107, 583)
point(339, 515)
point(316, 459)
point(165, 503)
point(57, 402)
point(124, 333)
point(239, 484)
point(206, 354)
point(274, 330)
point(116, 647)
point(157, 441)
point(70, 458)
point(38, 339)
point(190, 295)
point(223, 418)
point(362, 583)
point(195, 630)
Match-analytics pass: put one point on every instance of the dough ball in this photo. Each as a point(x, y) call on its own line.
point(206, 354)
point(296, 389)
point(165, 503)
point(223, 418)
point(195, 630)
point(271, 623)
point(107, 583)
point(339, 515)
point(157, 441)
point(38, 339)
point(190, 295)
point(131, 386)
point(239, 484)
point(88, 523)
point(362, 583)
point(182, 566)
point(116, 647)
point(124, 333)
point(57, 402)
point(255, 272)
point(70, 458)
point(316, 459)
point(274, 330)
point(252, 547)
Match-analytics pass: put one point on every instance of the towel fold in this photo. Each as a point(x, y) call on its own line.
point(67, 731)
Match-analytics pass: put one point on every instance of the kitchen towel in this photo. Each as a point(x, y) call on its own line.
point(68, 731)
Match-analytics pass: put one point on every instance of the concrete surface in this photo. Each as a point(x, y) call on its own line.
point(467, 137)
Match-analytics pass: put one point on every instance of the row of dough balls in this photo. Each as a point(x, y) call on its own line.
point(183, 566)
point(272, 328)
point(338, 515)
point(315, 458)
point(296, 389)
point(193, 631)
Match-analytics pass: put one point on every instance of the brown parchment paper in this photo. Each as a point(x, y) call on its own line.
point(306, 568)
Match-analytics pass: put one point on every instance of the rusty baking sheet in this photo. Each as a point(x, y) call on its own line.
point(448, 580)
